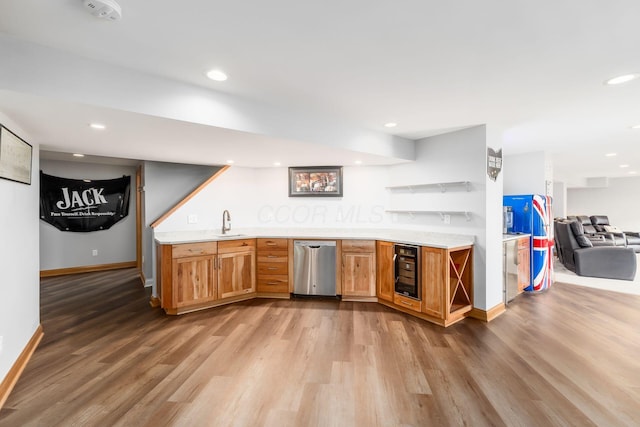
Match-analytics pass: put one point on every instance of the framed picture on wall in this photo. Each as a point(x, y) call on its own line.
point(315, 181)
point(15, 157)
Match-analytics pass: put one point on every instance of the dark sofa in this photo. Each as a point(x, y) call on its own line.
point(578, 254)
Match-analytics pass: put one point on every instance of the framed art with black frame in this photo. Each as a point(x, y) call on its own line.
point(315, 181)
point(15, 157)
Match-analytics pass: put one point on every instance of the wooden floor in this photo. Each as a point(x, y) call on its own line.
point(570, 356)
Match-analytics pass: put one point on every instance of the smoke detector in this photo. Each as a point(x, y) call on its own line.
point(107, 9)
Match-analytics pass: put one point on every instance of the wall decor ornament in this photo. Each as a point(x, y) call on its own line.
point(315, 181)
point(494, 163)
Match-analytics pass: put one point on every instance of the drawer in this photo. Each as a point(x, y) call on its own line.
point(273, 244)
point(405, 302)
point(227, 246)
point(273, 284)
point(194, 249)
point(273, 256)
point(281, 268)
point(358, 246)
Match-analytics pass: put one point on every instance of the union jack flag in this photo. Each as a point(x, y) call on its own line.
point(542, 254)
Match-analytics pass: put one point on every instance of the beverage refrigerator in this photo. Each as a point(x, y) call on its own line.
point(532, 214)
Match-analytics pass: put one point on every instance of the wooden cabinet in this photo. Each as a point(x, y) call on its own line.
point(193, 276)
point(358, 268)
point(447, 283)
point(384, 270)
point(194, 280)
point(434, 272)
point(515, 266)
point(524, 263)
point(236, 268)
point(273, 267)
point(186, 275)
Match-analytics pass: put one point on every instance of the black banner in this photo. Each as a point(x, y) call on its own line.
point(83, 205)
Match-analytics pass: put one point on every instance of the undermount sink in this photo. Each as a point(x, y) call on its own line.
point(229, 235)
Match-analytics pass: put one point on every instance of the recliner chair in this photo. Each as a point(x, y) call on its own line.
point(597, 238)
point(580, 256)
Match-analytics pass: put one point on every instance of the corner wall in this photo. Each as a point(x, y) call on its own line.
point(259, 198)
point(164, 186)
point(20, 283)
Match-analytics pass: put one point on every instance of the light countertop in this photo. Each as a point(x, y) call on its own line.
point(413, 237)
point(513, 236)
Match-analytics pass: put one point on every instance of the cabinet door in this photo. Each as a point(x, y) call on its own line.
point(236, 274)
point(524, 264)
point(434, 273)
point(358, 274)
point(384, 271)
point(194, 280)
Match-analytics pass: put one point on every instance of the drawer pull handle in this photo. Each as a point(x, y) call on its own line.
point(196, 251)
point(272, 256)
point(244, 243)
point(273, 283)
point(407, 303)
point(272, 268)
point(272, 243)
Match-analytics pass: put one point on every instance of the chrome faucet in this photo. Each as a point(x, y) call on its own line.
point(226, 221)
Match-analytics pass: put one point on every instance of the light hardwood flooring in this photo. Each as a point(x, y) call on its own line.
point(567, 357)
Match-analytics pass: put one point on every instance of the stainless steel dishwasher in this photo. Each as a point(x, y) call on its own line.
point(314, 267)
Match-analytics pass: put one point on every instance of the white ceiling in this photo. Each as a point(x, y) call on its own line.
point(534, 70)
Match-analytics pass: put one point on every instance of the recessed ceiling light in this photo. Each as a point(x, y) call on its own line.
point(624, 166)
point(632, 172)
point(635, 127)
point(98, 126)
point(78, 155)
point(622, 79)
point(276, 163)
point(611, 154)
point(358, 162)
point(229, 161)
point(390, 125)
point(217, 75)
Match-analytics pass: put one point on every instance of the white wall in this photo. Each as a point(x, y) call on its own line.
point(63, 249)
point(20, 282)
point(618, 201)
point(527, 174)
point(259, 198)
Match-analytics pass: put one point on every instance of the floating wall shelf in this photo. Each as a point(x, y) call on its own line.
point(441, 185)
point(412, 212)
